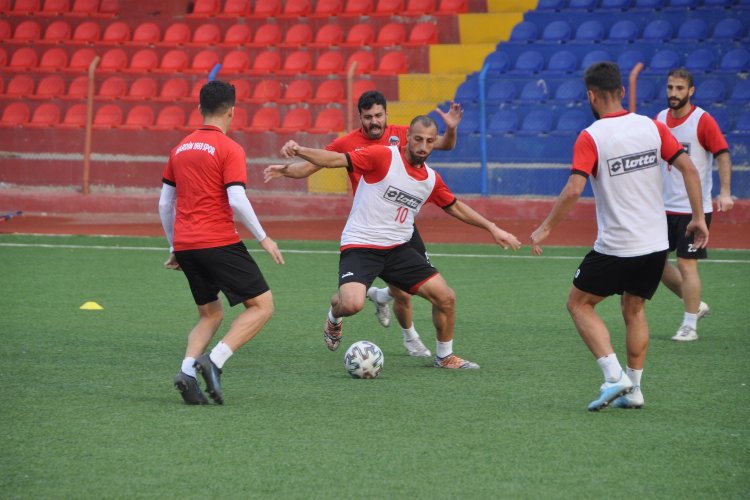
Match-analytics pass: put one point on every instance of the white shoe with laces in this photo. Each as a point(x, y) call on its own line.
point(416, 348)
point(703, 310)
point(382, 310)
point(685, 334)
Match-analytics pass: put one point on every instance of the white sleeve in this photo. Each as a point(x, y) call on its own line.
point(166, 211)
point(243, 210)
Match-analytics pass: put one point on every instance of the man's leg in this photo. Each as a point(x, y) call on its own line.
point(210, 317)
point(636, 340)
point(348, 301)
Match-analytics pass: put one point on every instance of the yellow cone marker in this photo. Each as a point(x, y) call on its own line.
point(91, 306)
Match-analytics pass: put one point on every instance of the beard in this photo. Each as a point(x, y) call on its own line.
point(375, 132)
point(677, 103)
point(593, 112)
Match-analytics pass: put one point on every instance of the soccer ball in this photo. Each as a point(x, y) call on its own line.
point(363, 359)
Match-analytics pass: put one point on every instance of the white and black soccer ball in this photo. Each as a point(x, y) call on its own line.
point(363, 359)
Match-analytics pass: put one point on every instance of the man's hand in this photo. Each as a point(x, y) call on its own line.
point(273, 172)
point(453, 116)
point(537, 237)
point(724, 202)
point(505, 239)
point(273, 250)
point(290, 149)
point(171, 263)
point(699, 230)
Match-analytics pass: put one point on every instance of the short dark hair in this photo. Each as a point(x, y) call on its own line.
point(216, 97)
point(603, 77)
point(370, 99)
point(424, 120)
point(684, 74)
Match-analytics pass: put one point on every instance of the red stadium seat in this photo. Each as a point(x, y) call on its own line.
point(55, 7)
point(264, 9)
point(298, 91)
point(237, 35)
point(266, 91)
point(298, 35)
point(420, 7)
point(109, 8)
point(143, 61)
point(235, 61)
point(113, 60)
point(6, 31)
point(170, 118)
point(81, 60)
point(174, 60)
point(235, 9)
point(58, 32)
point(358, 8)
point(143, 88)
point(15, 114)
point(328, 35)
point(75, 116)
point(328, 120)
point(50, 87)
point(296, 120)
point(329, 63)
point(139, 117)
point(20, 86)
point(195, 92)
point(453, 7)
point(5, 6)
point(267, 35)
point(242, 89)
point(23, 59)
point(108, 116)
point(422, 34)
point(78, 88)
point(390, 34)
point(87, 32)
point(389, 7)
point(204, 61)
point(176, 34)
point(297, 62)
point(113, 87)
point(365, 62)
point(392, 63)
point(26, 6)
point(174, 89)
point(265, 120)
point(27, 31)
point(146, 33)
point(206, 34)
point(205, 8)
point(117, 32)
point(360, 87)
point(329, 91)
point(295, 9)
point(239, 121)
point(85, 7)
point(195, 120)
point(45, 115)
point(3, 58)
point(327, 8)
point(359, 35)
point(55, 59)
point(268, 61)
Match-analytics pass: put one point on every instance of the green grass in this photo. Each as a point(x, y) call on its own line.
point(88, 408)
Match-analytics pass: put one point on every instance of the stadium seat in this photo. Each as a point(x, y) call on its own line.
point(364, 60)
point(15, 114)
point(297, 62)
point(467, 92)
point(239, 121)
point(453, 7)
point(55, 7)
point(557, 32)
point(80, 60)
point(615, 5)
point(205, 8)
point(728, 29)
point(420, 7)
point(170, 118)
point(108, 116)
point(235, 9)
point(392, 63)
point(195, 91)
point(709, 91)
point(115, 59)
point(329, 120)
point(268, 61)
point(296, 92)
point(497, 63)
point(296, 120)
point(502, 91)
point(648, 5)
point(550, 5)
point(470, 122)
point(390, 35)
point(742, 127)
point(623, 31)
point(143, 60)
point(329, 91)
point(595, 56)
point(235, 61)
point(143, 88)
point(90, 8)
point(3, 58)
point(88, 32)
point(572, 121)
point(45, 115)
point(645, 91)
point(360, 87)
point(664, 60)
point(740, 93)
point(389, 8)
point(265, 120)
point(22, 7)
point(50, 87)
point(108, 8)
point(658, 30)
point(534, 91)
point(358, 8)
point(328, 35)
point(735, 61)
point(6, 30)
point(692, 31)
point(682, 4)
point(700, 60)
point(146, 33)
point(242, 89)
point(174, 89)
point(297, 36)
point(425, 33)
point(327, 8)
point(113, 87)
point(204, 61)
point(268, 90)
point(75, 116)
point(176, 34)
point(721, 117)
point(295, 9)
point(577, 5)
point(591, 31)
point(528, 62)
point(359, 35)
point(23, 59)
point(174, 60)
point(267, 35)
point(718, 3)
point(328, 63)
point(504, 121)
point(538, 121)
point(206, 34)
point(264, 9)
point(139, 117)
point(55, 59)
point(570, 91)
point(524, 32)
point(78, 88)
point(195, 119)
point(117, 32)
point(27, 31)
point(563, 61)
point(237, 35)
point(20, 86)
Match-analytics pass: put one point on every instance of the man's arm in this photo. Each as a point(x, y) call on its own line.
point(692, 180)
point(167, 200)
point(296, 170)
point(451, 118)
point(465, 213)
point(563, 205)
point(725, 202)
point(320, 157)
point(243, 210)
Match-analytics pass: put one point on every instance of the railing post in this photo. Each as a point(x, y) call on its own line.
point(89, 123)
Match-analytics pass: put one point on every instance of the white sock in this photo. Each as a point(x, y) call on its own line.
point(610, 367)
point(410, 333)
point(332, 318)
point(220, 354)
point(383, 295)
point(187, 367)
point(690, 320)
point(444, 349)
point(635, 376)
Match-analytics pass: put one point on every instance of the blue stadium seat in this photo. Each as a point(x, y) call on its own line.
point(534, 91)
point(595, 56)
point(740, 93)
point(572, 121)
point(664, 60)
point(502, 91)
point(561, 62)
point(439, 120)
point(718, 3)
point(728, 29)
point(682, 4)
point(615, 4)
point(648, 5)
point(538, 121)
point(550, 5)
point(524, 32)
point(735, 60)
point(629, 58)
point(470, 121)
point(709, 91)
point(557, 32)
point(504, 121)
point(701, 60)
point(645, 91)
point(468, 91)
point(583, 4)
point(571, 91)
point(623, 31)
point(721, 116)
point(529, 62)
point(692, 31)
point(591, 31)
point(742, 127)
point(658, 30)
point(498, 62)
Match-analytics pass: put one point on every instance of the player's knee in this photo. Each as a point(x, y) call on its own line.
point(349, 306)
point(447, 300)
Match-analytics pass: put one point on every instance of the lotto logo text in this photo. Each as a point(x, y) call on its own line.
point(402, 198)
point(631, 163)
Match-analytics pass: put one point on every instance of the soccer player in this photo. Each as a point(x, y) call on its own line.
point(373, 116)
point(394, 185)
point(620, 153)
point(700, 135)
point(203, 187)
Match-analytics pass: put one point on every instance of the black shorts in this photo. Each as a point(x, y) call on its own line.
point(676, 226)
point(402, 267)
point(606, 275)
point(229, 269)
point(417, 244)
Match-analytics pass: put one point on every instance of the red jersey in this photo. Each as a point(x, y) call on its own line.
point(357, 139)
point(709, 133)
point(201, 168)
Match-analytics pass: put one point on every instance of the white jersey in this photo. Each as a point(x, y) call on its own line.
point(629, 206)
point(675, 194)
point(383, 213)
